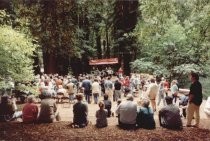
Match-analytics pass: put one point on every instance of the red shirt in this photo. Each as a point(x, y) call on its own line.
point(30, 112)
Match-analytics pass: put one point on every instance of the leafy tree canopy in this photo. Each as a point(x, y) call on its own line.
point(16, 51)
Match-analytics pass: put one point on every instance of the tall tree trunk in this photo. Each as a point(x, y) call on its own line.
point(98, 45)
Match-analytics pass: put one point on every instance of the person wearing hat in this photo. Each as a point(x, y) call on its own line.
point(48, 109)
point(80, 112)
point(128, 113)
point(169, 116)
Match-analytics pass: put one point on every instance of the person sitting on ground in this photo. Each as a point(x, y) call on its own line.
point(80, 111)
point(145, 116)
point(48, 109)
point(8, 109)
point(128, 113)
point(169, 116)
point(108, 104)
point(101, 116)
point(30, 110)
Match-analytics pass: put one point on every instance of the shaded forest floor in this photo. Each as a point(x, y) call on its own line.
point(16, 131)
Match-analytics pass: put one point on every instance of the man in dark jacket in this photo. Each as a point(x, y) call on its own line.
point(195, 100)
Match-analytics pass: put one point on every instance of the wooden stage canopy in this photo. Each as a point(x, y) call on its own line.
point(109, 61)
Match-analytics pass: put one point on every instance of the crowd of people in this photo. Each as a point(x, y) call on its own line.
point(133, 111)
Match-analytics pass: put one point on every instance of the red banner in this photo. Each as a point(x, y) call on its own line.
point(104, 61)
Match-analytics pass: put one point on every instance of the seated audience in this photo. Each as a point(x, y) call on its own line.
point(207, 107)
point(30, 110)
point(101, 116)
point(169, 116)
point(80, 111)
point(108, 104)
point(8, 109)
point(128, 112)
point(145, 116)
point(48, 109)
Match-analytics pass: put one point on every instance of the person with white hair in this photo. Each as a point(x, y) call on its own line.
point(145, 115)
point(128, 113)
point(30, 110)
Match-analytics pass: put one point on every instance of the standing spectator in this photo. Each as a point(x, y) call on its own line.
point(71, 90)
point(102, 87)
point(48, 110)
point(169, 116)
point(174, 90)
point(86, 84)
point(161, 94)
point(101, 116)
point(30, 110)
point(80, 111)
point(152, 93)
point(128, 113)
point(95, 90)
point(145, 116)
point(117, 90)
point(166, 86)
point(108, 104)
point(195, 100)
point(109, 87)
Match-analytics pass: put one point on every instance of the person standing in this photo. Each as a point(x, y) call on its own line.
point(117, 90)
point(161, 94)
point(195, 100)
point(95, 90)
point(109, 88)
point(152, 92)
point(86, 84)
point(174, 90)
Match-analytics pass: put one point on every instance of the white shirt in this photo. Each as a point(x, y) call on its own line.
point(127, 111)
point(152, 91)
point(95, 87)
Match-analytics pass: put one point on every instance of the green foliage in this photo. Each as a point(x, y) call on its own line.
point(175, 35)
point(16, 51)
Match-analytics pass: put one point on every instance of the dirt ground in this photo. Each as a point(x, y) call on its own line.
point(62, 131)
